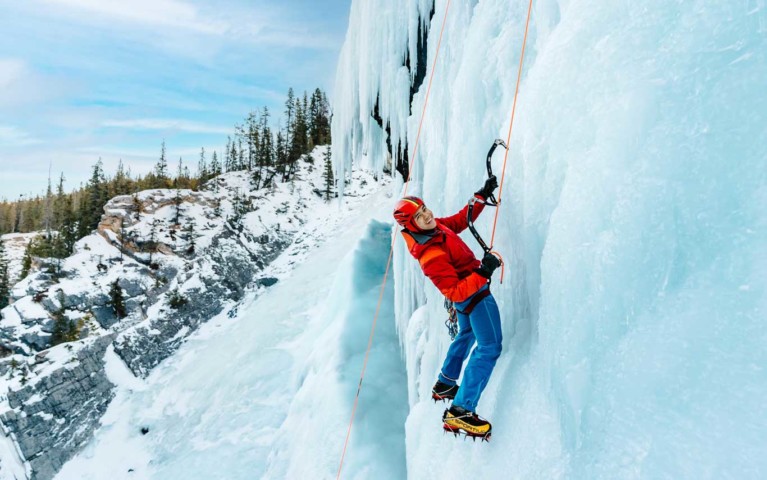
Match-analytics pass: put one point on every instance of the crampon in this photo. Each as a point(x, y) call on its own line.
point(457, 431)
point(442, 392)
point(457, 421)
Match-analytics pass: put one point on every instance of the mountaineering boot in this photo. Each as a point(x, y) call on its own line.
point(459, 420)
point(442, 391)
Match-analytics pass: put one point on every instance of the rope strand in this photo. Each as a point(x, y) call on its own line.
point(391, 249)
point(511, 121)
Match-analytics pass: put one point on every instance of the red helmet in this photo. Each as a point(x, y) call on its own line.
point(405, 210)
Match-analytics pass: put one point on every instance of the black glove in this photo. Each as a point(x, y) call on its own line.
point(487, 190)
point(489, 263)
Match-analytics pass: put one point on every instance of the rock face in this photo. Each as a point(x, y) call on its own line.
point(51, 419)
point(146, 245)
point(142, 250)
point(143, 347)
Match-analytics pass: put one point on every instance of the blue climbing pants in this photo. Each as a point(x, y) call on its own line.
point(482, 325)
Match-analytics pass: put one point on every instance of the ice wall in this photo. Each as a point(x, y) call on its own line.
point(633, 226)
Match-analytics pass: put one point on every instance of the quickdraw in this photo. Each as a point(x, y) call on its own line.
point(452, 321)
point(491, 201)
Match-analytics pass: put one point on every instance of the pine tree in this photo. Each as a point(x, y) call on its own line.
point(26, 262)
point(120, 184)
point(17, 214)
point(161, 170)
point(252, 140)
point(233, 159)
point(299, 140)
point(290, 109)
point(215, 166)
point(328, 174)
point(180, 181)
point(138, 207)
point(117, 299)
point(153, 242)
point(228, 155)
point(65, 223)
point(191, 237)
point(61, 326)
point(305, 110)
point(59, 204)
point(5, 282)
point(235, 220)
point(92, 203)
point(241, 162)
point(241, 205)
point(48, 212)
point(64, 329)
point(280, 153)
point(177, 201)
point(318, 119)
point(97, 195)
point(202, 168)
point(176, 299)
point(323, 120)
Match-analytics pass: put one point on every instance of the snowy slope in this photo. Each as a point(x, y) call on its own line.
point(633, 225)
point(267, 394)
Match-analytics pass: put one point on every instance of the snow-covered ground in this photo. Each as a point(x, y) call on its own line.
point(15, 244)
point(268, 393)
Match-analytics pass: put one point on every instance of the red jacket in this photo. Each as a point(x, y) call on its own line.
point(445, 258)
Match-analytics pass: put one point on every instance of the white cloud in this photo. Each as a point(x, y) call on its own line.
point(260, 23)
point(11, 136)
point(161, 13)
point(166, 124)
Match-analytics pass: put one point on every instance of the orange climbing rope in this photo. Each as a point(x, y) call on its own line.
point(407, 182)
point(511, 121)
point(391, 249)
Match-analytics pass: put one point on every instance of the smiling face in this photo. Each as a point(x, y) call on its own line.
point(424, 218)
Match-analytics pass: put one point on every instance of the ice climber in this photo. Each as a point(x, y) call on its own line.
point(464, 280)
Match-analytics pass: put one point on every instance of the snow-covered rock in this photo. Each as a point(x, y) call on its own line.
point(179, 259)
point(15, 245)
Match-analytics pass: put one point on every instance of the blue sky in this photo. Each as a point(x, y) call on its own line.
point(83, 79)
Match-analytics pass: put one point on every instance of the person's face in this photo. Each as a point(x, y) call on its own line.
point(424, 218)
